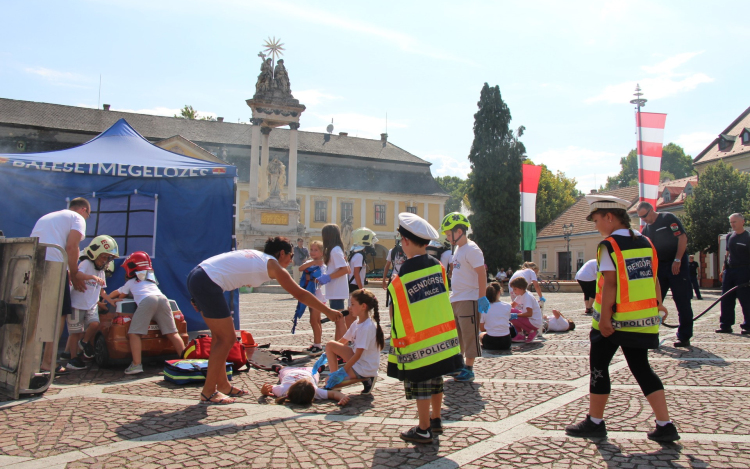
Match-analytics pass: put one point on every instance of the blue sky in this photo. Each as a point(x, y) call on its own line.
point(566, 69)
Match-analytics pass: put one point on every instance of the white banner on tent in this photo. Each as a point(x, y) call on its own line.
point(114, 169)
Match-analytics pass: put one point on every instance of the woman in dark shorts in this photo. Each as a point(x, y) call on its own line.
point(229, 271)
point(586, 278)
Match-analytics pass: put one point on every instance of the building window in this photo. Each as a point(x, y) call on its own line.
point(544, 262)
point(667, 196)
point(321, 211)
point(379, 214)
point(579, 261)
point(412, 210)
point(347, 211)
point(129, 219)
point(726, 142)
point(746, 136)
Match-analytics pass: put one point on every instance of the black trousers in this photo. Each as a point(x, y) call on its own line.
point(735, 276)
point(602, 352)
point(696, 287)
point(681, 294)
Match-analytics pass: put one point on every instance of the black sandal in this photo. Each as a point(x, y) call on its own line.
point(208, 401)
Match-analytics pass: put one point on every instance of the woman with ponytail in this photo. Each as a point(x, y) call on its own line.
point(362, 358)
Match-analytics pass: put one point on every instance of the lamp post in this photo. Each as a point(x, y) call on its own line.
point(567, 231)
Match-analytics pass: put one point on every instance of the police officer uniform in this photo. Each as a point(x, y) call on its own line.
point(736, 272)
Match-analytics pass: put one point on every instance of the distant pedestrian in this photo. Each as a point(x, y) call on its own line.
point(300, 256)
point(736, 272)
point(586, 278)
point(694, 276)
point(668, 236)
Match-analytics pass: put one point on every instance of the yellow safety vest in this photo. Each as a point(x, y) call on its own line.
point(636, 264)
point(424, 341)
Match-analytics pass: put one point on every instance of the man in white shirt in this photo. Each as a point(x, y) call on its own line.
point(65, 228)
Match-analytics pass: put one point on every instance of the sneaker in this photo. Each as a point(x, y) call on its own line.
point(531, 336)
point(88, 349)
point(682, 343)
point(519, 338)
point(417, 435)
point(369, 384)
point(587, 428)
point(465, 376)
point(724, 330)
point(134, 369)
point(314, 351)
point(76, 364)
point(664, 433)
point(436, 426)
point(65, 356)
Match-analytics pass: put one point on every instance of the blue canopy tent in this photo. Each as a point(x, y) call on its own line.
point(180, 210)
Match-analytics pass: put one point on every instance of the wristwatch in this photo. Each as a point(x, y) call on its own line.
point(677, 260)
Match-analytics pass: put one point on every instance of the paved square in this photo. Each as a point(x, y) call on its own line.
point(512, 415)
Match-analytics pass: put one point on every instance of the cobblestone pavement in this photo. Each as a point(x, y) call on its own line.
point(512, 415)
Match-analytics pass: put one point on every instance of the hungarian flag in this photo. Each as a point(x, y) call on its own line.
point(650, 139)
point(529, 186)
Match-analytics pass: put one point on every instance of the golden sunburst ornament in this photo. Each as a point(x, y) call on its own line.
point(274, 47)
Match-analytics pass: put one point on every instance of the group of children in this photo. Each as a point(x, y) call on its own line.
point(83, 324)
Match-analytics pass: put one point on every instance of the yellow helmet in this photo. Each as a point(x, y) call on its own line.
point(453, 219)
point(364, 237)
point(102, 244)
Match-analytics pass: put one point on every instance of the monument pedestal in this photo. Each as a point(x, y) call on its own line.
point(272, 217)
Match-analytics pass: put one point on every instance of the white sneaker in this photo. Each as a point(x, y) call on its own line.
point(134, 369)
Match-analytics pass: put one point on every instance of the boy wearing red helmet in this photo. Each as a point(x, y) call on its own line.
point(152, 305)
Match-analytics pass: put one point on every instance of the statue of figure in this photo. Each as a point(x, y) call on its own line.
point(281, 79)
point(276, 177)
point(265, 78)
point(346, 233)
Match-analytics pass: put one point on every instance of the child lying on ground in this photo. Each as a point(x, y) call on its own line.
point(300, 386)
point(559, 323)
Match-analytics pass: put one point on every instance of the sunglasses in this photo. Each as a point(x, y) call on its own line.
point(644, 216)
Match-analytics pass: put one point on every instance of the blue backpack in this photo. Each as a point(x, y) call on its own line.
point(189, 371)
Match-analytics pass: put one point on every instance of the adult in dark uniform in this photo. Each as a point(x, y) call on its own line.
point(666, 232)
point(694, 266)
point(736, 272)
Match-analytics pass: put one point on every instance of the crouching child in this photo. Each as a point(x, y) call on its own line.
point(152, 305)
point(424, 341)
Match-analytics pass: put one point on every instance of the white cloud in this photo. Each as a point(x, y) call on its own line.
point(165, 111)
point(443, 165)
point(573, 158)
point(667, 82)
point(313, 97)
point(695, 142)
point(60, 78)
point(357, 125)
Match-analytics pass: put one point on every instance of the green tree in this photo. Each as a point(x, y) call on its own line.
point(187, 112)
point(496, 156)
point(456, 187)
point(556, 194)
point(721, 191)
point(675, 164)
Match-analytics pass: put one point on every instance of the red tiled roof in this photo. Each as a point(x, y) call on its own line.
point(675, 189)
point(712, 152)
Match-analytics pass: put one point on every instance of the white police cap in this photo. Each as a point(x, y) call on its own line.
point(597, 202)
point(417, 226)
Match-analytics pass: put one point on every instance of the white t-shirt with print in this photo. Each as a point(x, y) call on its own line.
point(357, 261)
point(497, 318)
point(527, 301)
point(464, 279)
point(87, 299)
point(140, 289)
point(290, 375)
point(362, 335)
point(55, 227)
point(337, 289)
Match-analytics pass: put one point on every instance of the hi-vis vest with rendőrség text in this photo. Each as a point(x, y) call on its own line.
point(636, 264)
point(424, 341)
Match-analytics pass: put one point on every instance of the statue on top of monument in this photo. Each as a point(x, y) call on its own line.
point(281, 78)
point(346, 233)
point(265, 79)
point(276, 177)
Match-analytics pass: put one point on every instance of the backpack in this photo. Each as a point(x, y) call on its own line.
point(200, 348)
point(189, 371)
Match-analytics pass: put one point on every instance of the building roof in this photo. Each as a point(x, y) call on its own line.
point(175, 144)
point(95, 121)
point(577, 214)
point(712, 152)
point(676, 190)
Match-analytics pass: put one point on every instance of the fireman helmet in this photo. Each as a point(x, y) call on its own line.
point(102, 244)
point(137, 262)
point(364, 237)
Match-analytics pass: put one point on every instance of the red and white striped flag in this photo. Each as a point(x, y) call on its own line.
point(650, 140)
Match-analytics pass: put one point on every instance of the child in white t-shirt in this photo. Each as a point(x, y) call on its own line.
point(316, 259)
point(300, 386)
point(495, 325)
point(152, 305)
point(529, 320)
point(558, 322)
point(366, 338)
point(337, 270)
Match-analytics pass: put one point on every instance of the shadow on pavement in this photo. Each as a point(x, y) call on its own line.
point(461, 400)
point(613, 456)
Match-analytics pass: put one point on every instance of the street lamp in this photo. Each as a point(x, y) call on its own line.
point(567, 231)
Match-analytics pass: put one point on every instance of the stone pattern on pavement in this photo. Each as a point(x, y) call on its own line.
point(512, 415)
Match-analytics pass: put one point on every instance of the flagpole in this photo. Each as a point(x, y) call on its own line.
point(639, 102)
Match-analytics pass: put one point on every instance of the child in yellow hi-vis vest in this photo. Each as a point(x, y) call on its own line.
point(424, 341)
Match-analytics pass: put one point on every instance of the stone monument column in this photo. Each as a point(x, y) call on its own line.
point(266, 131)
point(292, 182)
point(254, 156)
